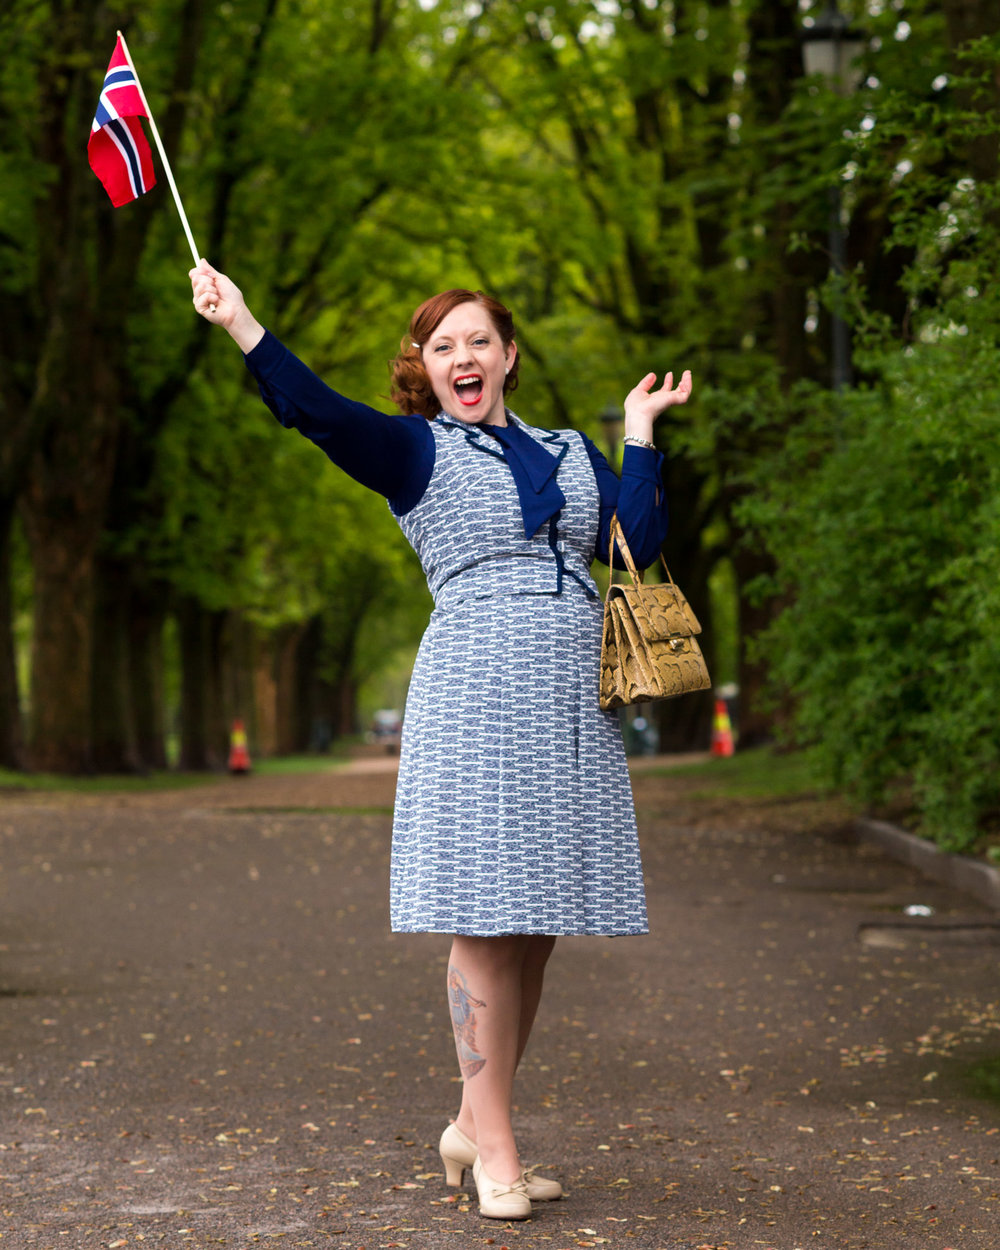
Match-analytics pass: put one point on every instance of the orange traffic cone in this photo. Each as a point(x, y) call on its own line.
point(239, 756)
point(722, 730)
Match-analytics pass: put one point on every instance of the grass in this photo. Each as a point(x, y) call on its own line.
point(982, 1079)
point(756, 774)
point(103, 783)
point(312, 811)
point(762, 773)
point(106, 783)
point(285, 765)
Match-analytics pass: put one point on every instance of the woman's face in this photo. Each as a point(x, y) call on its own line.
point(466, 363)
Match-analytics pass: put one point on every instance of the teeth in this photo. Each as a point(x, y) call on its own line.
point(467, 382)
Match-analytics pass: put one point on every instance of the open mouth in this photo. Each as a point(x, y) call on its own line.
point(469, 388)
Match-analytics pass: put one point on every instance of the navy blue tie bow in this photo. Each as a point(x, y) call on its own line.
point(534, 470)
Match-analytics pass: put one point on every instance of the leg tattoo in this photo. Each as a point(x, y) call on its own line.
point(463, 1019)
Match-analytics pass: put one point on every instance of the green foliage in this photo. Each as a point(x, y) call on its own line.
point(884, 515)
point(307, 765)
point(760, 773)
point(11, 781)
point(880, 505)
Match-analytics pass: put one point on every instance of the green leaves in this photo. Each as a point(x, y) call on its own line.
point(886, 546)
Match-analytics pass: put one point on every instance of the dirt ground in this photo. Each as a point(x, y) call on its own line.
point(210, 1038)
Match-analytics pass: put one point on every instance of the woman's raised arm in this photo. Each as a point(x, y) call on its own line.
point(387, 452)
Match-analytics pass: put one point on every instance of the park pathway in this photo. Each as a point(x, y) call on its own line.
point(208, 1037)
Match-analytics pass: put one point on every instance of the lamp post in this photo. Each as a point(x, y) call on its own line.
point(830, 47)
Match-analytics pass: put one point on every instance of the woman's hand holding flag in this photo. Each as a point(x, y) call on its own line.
point(219, 300)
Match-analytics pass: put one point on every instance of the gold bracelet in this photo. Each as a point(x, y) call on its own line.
point(639, 442)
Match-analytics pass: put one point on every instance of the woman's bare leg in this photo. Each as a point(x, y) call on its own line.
point(536, 957)
point(491, 1036)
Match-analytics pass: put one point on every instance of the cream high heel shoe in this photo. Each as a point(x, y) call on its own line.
point(459, 1152)
point(498, 1201)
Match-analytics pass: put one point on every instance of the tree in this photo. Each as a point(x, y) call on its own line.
point(63, 378)
point(881, 512)
point(622, 160)
point(94, 381)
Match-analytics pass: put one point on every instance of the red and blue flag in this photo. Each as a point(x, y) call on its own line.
point(118, 149)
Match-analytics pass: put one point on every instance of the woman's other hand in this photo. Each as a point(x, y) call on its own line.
point(220, 301)
point(643, 405)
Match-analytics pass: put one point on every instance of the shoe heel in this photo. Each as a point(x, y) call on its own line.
point(454, 1171)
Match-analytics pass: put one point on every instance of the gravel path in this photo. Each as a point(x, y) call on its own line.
point(210, 1038)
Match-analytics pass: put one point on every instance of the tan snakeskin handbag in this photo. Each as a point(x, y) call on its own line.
point(649, 650)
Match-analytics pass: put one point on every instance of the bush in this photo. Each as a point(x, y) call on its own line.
point(883, 515)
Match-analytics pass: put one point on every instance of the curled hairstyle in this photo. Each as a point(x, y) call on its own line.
point(411, 388)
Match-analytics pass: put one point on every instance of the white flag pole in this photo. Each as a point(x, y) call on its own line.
point(163, 155)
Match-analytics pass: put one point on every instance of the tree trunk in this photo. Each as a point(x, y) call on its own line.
point(685, 724)
point(75, 365)
point(240, 667)
point(146, 677)
point(70, 364)
point(774, 64)
point(11, 727)
point(287, 712)
point(217, 727)
point(265, 694)
point(967, 21)
point(59, 738)
point(200, 747)
point(344, 707)
point(64, 508)
point(112, 723)
point(756, 724)
point(308, 654)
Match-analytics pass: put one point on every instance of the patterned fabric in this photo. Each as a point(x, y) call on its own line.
point(513, 807)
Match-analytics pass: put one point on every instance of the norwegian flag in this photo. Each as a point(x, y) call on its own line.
point(118, 150)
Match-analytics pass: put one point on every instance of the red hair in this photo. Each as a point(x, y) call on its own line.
point(411, 388)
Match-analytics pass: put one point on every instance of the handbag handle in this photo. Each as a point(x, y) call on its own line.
point(616, 535)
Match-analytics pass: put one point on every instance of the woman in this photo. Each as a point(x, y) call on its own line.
point(514, 821)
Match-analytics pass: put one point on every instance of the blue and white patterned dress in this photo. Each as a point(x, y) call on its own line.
point(513, 807)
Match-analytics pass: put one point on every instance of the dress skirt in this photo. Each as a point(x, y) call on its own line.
point(513, 808)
